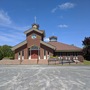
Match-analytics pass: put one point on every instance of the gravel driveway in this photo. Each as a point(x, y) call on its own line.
point(44, 77)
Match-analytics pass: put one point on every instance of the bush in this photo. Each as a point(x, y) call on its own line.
point(11, 58)
point(1, 55)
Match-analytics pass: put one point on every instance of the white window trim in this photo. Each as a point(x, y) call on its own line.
point(19, 55)
point(44, 54)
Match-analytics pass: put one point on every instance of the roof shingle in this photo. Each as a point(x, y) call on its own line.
point(64, 47)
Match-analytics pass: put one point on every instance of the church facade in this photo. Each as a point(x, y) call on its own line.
point(34, 48)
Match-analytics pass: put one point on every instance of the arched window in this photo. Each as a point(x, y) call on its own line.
point(34, 48)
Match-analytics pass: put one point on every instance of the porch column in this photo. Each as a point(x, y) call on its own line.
point(29, 53)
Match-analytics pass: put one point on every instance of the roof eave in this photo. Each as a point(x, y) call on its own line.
point(19, 45)
point(47, 45)
point(68, 51)
point(32, 29)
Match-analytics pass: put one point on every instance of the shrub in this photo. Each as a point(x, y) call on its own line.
point(1, 55)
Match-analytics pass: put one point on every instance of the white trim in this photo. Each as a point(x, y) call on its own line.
point(47, 45)
point(19, 45)
point(22, 54)
point(29, 57)
point(19, 54)
point(22, 57)
point(33, 29)
point(44, 53)
point(48, 56)
point(69, 58)
point(66, 58)
point(44, 57)
point(19, 57)
point(39, 57)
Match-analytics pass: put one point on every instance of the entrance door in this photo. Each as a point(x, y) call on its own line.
point(34, 54)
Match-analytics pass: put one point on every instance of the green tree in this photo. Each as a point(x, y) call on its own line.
point(1, 55)
point(6, 51)
point(86, 48)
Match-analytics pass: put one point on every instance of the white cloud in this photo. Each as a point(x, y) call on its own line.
point(67, 5)
point(62, 26)
point(5, 21)
point(11, 38)
point(63, 6)
point(10, 33)
point(46, 39)
point(4, 18)
point(54, 9)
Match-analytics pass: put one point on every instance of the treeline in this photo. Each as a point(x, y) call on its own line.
point(5, 51)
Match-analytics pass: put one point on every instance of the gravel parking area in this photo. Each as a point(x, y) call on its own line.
point(44, 77)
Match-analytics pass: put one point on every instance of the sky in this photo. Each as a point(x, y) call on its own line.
point(69, 20)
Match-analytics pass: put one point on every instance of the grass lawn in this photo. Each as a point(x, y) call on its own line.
point(86, 62)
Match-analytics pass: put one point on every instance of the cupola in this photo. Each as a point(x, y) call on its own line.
point(36, 26)
point(53, 39)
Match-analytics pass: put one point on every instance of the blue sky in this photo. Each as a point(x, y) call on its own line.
point(69, 20)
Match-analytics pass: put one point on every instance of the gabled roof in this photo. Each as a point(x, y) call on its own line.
point(48, 45)
point(19, 45)
point(34, 29)
point(64, 47)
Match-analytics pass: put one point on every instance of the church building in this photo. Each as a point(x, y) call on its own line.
point(34, 48)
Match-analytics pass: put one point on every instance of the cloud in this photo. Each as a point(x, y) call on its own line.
point(5, 21)
point(11, 38)
point(46, 39)
point(54, 9)
point(62, 26)
point(10, 33)
point(63, 6)
point(4, 18)
point(67, 5)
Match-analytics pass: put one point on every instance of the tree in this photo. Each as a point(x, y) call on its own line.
point(86, 48)
point(1, 55)
point(6, 51)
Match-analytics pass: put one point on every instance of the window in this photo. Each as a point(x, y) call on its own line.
point(44, 52)
point(34, 48)
point(28, 52)
point(19, 54)
point(73, 53)
point(60, 54)
point(76, 53)
point(48, 53)
point(22, 52)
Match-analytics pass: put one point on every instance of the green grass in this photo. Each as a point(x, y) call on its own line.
point(86, 62)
